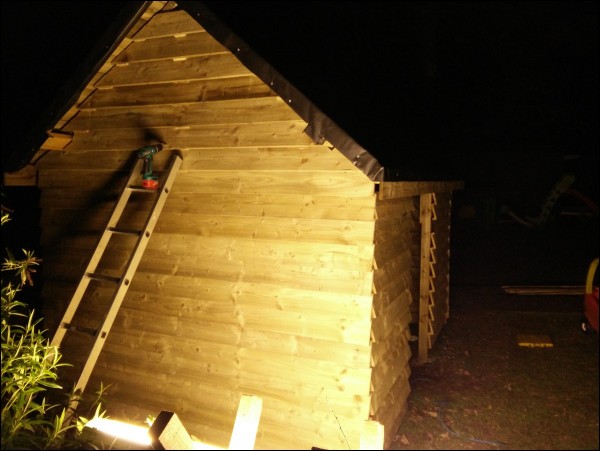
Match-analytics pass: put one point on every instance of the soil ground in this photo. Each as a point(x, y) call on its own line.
point(479, 389)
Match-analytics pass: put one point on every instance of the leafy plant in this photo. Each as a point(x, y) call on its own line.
point(29, 369)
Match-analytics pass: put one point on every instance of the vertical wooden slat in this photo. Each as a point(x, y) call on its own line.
point(425, 211)
point(246, 423)
point(372, 435)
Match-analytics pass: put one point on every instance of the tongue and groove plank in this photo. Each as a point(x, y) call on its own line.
point(246, 86)
point(289, 206)
point(269, 109)
point(174, 23)
point(301, 158)
point(190, 45)
point(323, 183)
point(164, 71)
point(279, 134)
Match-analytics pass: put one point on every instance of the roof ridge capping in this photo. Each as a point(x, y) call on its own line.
point(320, 127)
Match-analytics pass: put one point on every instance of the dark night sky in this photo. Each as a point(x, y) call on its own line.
point(488, 90)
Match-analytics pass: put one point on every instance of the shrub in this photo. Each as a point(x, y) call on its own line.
point(29, 369)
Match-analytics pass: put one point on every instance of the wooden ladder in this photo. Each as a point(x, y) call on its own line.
point(122, 283)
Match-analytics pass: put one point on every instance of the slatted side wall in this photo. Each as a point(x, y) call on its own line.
point(434, 300)
point(258, 277)
point(392, 301)
point(440, 265)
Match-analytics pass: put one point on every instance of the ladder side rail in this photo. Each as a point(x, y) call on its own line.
point(95, 258)
point(132, 265)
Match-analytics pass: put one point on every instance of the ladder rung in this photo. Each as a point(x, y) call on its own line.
point(81, 329)
point(93, 276)
point(124, 231)
point(141, 189)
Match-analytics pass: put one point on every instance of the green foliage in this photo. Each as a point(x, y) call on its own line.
point(29, 370)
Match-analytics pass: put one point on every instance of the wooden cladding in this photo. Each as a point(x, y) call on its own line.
point(269, 109)
point(164, 71)
point(391, 308)
point(435, 212)
point(275, 269)
point(234, 88)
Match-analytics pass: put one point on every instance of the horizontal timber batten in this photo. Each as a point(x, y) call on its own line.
point(351, 257)
point(171, 23)
point(279, 134)
point(266, 109)
point(236, 359)
point(296, 158)
point(234, 88)
point(346, 355)
point(325, 183)
point(274, 205)
point(168, 71)
point(245, 227)
point(191, 45)
point(197, 303)
point(220, 367)
point(295, 276)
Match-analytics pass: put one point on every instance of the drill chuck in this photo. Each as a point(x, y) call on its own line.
point(149, 151)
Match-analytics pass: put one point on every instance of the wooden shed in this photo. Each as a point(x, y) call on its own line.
point(285, 263)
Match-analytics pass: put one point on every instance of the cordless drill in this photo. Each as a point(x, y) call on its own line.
point(149, 181)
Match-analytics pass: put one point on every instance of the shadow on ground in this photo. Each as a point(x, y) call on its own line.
point(480, 389)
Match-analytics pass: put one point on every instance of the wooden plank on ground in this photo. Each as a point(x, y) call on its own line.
point(534, 341)
point(545, 290)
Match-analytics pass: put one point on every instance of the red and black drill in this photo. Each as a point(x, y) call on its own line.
point(149, 180)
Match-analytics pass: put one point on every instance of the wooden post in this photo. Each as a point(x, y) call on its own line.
point(371, 436)
point(246, 423)
point(167, 432)
point(425, 219)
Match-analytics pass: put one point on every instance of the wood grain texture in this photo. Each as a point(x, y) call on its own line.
point(266, 109)
point(243, 87)
point(391, 306)
point(192, 44)
point(275, 269)
point(167, 71)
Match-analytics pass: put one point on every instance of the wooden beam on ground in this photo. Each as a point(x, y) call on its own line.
point(546, 290)
point(246, 423)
